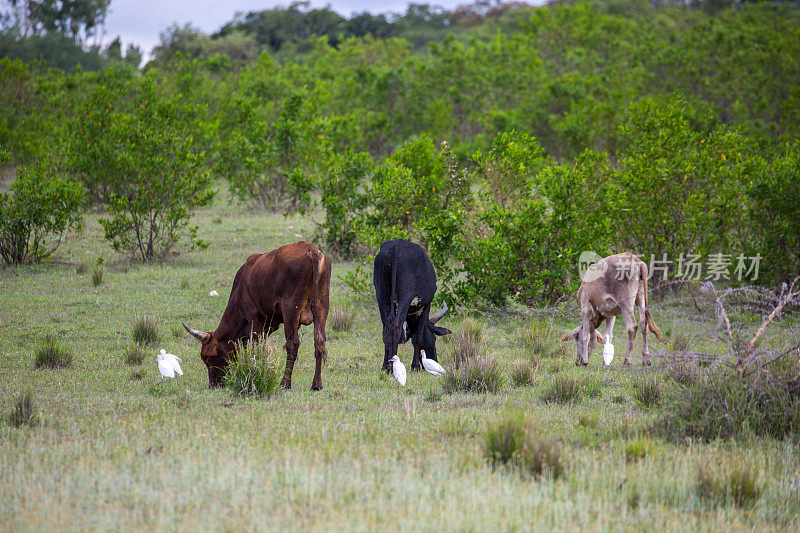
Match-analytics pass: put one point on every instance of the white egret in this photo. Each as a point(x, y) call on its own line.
point(213, 294)
point(399, 370)
point(431, 366)
point(169, 365)
point(608, 351)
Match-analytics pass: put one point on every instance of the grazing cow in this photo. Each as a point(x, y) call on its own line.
point(611, 287)
point(288, 286)
point(405, 283)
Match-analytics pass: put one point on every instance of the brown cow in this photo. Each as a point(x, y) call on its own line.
point(611, 287)
point(288, 286)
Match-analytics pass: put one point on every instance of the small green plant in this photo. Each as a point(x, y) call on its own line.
point(255, 371)
point(97, 276)
point(433, 396)
point(565, 388)
point(639, 448)
point(81, 268)
point(357, 280)
point(647, 390)
point(145, 330)
point(588, 421)
point(25, 412)
point(342, 318)
point(512, 443)
point(523, 373)
point(51, 354)
point(134, 354)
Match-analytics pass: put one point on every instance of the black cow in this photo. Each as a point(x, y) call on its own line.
point(405, 283)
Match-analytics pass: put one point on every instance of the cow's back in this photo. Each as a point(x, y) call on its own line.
point(621, 276)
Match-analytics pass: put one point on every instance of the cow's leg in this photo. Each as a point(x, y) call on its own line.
point(643, 326)
point(320, 352)
point(416, 362)
point(291, 327)
point(630, 326)
point(585, 339)
point(610, 327)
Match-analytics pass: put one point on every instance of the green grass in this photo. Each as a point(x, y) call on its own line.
point(114, 452)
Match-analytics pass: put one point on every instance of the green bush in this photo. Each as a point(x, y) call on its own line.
point(51, 354)
point(139, 149)
point(41, 208)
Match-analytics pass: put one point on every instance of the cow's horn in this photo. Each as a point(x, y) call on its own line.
point(435, 318)
point(202, 336)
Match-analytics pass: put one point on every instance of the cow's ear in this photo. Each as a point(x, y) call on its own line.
point(572, 334)
point(440, 330)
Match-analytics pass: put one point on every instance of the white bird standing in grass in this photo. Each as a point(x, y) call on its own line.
point(169, 365)
point(608, 351)
point(431, 366)
point(399, 370)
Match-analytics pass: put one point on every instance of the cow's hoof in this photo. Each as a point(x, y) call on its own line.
point(647, 362)
point(287, 386)
point(416, 368)
point(626, 363)
point(316, 387)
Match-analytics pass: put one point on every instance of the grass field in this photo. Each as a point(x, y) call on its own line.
point(116, 452)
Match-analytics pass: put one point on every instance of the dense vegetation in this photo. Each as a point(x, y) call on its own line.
point(506, 145)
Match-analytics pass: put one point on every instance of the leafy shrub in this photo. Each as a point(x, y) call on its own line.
point(25, 412)
point(51, 354)
point(255, 371)
point(724, 404)
point(342, 318)
point(736, 483)
point(647, 390)
point(145, 330)
point(134, 354)
point(523, 373)
point(33, 219)
point(564, 389)
point(138, 148)
point(511, 443)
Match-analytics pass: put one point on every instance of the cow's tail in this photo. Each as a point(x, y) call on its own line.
point(651, 325)
point(395, 320)
point(318, 263)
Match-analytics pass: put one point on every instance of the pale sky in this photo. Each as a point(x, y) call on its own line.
point(141, 21)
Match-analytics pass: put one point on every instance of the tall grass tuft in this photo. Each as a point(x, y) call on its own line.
point(541, 340)
point(51, 354)
point(145, 330)
point(472, 369)
point(342, 318)
point(98, 275)
point(134, 354)
point(736, 483)
point(512, 443)
point(523, 373)
point(255, 371)
point(25, 412)
point(647, 390)
point(564, 389)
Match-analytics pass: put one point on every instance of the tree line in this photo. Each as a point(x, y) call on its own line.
point(505, 148)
